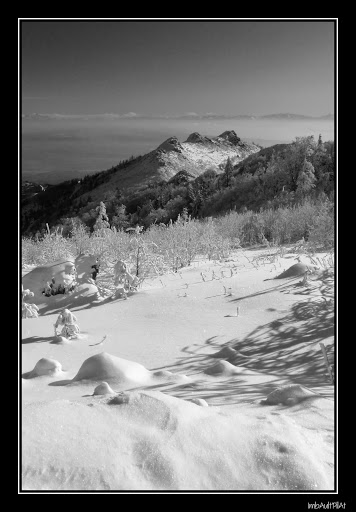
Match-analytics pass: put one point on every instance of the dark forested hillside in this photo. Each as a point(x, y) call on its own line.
point(280, 175)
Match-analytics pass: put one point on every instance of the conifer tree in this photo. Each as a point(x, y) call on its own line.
point(306, 179)
point(102, 220)
point(229, 169)
point(120, 220)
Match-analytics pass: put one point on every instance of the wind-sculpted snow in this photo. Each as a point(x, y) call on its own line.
point(45, 366)
point(223, 368)
point(105, 366)
point(37, 278)
point(288, 395)
point(151, 441)
point(296, 270)
point(187, 395)
point(225, 353)
point(103, 389)
point(76, 270)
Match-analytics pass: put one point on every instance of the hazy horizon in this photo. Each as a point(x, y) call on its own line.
point(140, 76)
point(177, 115)
point(58, 150)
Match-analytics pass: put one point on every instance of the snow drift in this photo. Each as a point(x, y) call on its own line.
point(151, 441)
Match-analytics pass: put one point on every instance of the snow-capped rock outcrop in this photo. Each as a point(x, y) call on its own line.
point(194, 156)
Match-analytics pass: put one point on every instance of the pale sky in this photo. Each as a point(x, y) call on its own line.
point(173, 67)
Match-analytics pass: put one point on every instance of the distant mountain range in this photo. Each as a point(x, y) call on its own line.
point(187, 115)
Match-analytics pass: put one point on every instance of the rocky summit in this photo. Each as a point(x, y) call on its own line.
point(197, 138)
point(229, 137)
point(171, 144)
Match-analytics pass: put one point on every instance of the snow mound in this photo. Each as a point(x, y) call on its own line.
point(103, 389)
point(61, 340)
point(288, 395)
point(36, 279)
point(222, 368)
point(163, 373)
point(149, 409)
point(63, 271)
point(158, 442)
point(298, 269)
point(200, 401)
point(45, 367)
point(83, 264)
point(105, 366)
point(225, 353)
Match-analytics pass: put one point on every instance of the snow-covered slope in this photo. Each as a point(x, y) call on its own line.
point(172, 390)
point(195, 155)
